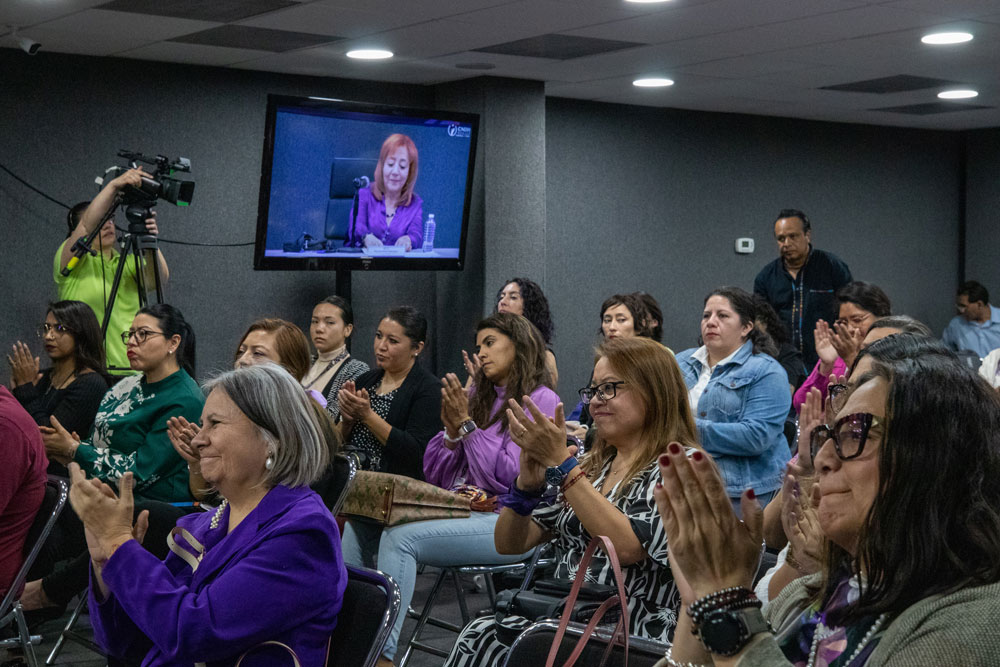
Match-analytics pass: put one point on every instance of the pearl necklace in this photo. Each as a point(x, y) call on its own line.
point(218, 515)
point(822, 632)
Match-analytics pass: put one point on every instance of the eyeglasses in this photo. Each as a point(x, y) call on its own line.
point(837, 393)
point(605, 391)
point(849, 435)
point(44, 328)
point(140, 335)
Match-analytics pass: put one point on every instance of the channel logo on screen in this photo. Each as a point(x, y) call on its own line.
point(459, 130)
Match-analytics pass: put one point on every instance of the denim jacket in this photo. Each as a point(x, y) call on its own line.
point(741, 416)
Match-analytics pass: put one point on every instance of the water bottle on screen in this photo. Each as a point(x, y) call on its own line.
point(429, 227)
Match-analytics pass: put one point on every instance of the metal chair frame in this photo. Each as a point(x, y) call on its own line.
point(424, 616)
point(602, 635)
point(10, 608)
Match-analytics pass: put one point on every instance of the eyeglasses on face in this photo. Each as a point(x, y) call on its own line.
point(605, 391)
point(44, 328)
point(140, 335)
point(838, 394)
point(849, 435)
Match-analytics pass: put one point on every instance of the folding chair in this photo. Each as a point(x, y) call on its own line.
point(56, 494)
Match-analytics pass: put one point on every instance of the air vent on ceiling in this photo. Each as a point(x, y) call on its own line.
point(890, 84)
point(248, 37)
point(930, 108)
point(221, 11)
point(558, 47)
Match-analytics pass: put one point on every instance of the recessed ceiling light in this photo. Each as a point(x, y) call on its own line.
point(957, 94)
point(369, 54)
point(653, 83)
point(946, 38)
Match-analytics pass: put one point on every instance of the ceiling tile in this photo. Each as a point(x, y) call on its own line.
point(330, 18)
point(545, 16)
point(249, 37)
point(953, 9)
point(99, 32)
point(194, 54)
point(27, 13)
point(413, 11)
point(221, 11)
point(558, 47)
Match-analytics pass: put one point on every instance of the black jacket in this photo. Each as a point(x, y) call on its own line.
point(415, 417)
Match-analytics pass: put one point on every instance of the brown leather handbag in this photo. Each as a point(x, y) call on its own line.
point(392, 500)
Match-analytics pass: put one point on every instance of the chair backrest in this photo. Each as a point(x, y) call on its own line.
point(371, 604)
point(343, 171)
point(332, 487)
point(532, 647)
point(56, 494)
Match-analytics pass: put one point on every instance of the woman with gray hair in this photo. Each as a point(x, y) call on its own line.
point(262, 573)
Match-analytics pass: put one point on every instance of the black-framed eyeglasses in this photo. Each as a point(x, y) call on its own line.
point(44, 328)
point(837, 393)
point(849, 435)
point(605, 391)
point(140, 335)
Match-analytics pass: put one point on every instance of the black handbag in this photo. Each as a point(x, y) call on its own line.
point(546, 600)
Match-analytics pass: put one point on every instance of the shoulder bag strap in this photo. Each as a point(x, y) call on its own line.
point(621, 600)
point(295, 658)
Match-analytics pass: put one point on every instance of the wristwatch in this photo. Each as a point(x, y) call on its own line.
point(464, 429)
point(725, 632)
point(555, 475)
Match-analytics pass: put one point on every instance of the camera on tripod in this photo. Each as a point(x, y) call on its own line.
point(139, 201)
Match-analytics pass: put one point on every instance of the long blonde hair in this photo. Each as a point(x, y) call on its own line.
point(655, 380)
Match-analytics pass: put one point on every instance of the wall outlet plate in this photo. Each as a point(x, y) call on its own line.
point(744, 246)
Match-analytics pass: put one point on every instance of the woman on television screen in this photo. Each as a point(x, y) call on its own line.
point(389, 211)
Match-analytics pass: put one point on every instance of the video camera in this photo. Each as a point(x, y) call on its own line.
point(139, 201)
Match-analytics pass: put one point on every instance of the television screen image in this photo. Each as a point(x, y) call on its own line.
point(354, 186)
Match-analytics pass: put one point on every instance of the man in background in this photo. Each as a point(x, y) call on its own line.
point(801, 283)
point(977, 326)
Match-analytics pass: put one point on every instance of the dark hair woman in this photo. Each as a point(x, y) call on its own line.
point(739, 395)
point(524, 297)
point(861, 304)
point(72, 388)
point(390, 413)
point(908, 505)
point(474, 454)
point(331, 325)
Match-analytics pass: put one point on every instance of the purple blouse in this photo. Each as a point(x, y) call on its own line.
point(818, 380)
point(408, 220)
point(487, 457)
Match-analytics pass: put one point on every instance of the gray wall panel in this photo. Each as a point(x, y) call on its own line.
point(983, 210)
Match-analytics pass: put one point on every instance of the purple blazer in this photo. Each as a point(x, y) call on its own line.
point(487, 457)
point(408, 221)
point(279, 575)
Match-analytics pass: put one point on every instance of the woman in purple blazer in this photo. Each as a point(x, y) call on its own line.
point(389, 211)
point(264, 567)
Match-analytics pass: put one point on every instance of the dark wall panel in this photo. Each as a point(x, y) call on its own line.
point(983, 210)
point(649, 199)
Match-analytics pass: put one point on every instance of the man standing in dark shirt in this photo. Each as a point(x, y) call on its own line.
point(801, 283)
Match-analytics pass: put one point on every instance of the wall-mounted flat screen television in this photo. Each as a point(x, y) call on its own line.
point(347, 185)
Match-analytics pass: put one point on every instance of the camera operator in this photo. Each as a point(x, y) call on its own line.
point(92, 278)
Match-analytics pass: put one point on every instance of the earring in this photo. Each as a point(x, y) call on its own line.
point(268, 463)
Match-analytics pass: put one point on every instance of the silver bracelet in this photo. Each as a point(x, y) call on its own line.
point(674, 663)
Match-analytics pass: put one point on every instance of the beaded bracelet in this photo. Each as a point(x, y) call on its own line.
point(736, 597)
point(676, 663)
point(573, 481)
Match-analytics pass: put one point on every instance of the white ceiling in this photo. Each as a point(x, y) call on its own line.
point(766, 57)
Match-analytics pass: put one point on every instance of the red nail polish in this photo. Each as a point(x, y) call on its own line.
point(659, 485)
point(675, 448)
point(697, 456)
point(750, 494)
point(664, 460)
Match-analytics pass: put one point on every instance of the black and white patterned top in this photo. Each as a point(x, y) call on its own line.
point(649, 585)
point(361, 436)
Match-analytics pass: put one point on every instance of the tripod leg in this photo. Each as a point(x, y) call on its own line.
point(109, 306)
